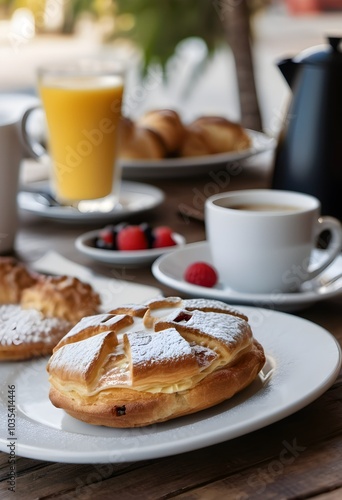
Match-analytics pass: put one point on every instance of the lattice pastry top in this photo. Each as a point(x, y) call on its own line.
point(141, 364)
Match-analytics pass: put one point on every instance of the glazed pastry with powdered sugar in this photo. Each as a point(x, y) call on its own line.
point(38, 310)
point(142, 364)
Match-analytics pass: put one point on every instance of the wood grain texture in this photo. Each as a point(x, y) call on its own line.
point(299, 455)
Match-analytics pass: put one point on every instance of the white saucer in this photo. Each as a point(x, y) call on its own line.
point(134, 258)
point(169, 269)
point(135, 198)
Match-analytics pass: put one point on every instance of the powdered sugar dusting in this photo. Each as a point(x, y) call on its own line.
point(79, 356)
point(18, 326)
point(228, 330)
point(147, 348)
point(215, 305)
point(153, 357)
point(102, 322)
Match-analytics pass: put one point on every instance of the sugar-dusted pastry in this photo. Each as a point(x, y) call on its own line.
point(61, 297)
point(140, 365)
point(139, 142)
point(221, 135)
point(38, 310)
point(14, 278)
point(26, 334)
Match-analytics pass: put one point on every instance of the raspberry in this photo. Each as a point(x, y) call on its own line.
point(202, 274)
point(163, 237)
point(123, 236)
point(131, 238)
point(106, 238)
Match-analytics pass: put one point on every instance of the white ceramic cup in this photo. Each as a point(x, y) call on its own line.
point(10, 157)
point(261, 241)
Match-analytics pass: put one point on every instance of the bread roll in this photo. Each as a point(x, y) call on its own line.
point(151, 363)
point(167, 124)
point(194, 142)
point(222, 135)
point(138, 142)
point(161, 134)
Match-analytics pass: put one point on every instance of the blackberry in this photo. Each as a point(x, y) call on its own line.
point(147, 229)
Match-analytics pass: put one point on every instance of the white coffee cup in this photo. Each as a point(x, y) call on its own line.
point(261, 241)
point(10, 157)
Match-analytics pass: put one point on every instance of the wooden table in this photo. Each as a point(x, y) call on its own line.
point(297, 457)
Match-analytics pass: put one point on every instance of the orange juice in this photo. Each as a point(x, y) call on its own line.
point(82, 114)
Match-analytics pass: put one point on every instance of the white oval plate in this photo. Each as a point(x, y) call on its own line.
point(135, 198)
point(168, 168)
point(169, 269)
point(303, 361)
point(133, 258)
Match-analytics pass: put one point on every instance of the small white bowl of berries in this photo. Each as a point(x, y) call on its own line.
point(132, 245)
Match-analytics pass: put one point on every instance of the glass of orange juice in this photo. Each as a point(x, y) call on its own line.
point(82, 102)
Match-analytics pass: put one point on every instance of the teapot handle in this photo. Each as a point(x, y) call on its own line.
point(334, 42)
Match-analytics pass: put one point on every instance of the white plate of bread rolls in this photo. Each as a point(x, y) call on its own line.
point(160, 145)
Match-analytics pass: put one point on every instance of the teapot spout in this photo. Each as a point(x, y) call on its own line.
point(288, 69)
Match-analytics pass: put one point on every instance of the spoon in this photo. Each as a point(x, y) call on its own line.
point(323, 285)
point(334, 283)
point(46, 199)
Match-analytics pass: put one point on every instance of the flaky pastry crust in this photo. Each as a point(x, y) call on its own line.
point(176, 358)
point(36, 311)
point(128, 408)
point(61, 297)
point(26, 334)
point(14, 278)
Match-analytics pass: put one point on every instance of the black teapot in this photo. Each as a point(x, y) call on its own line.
point(308, 156)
